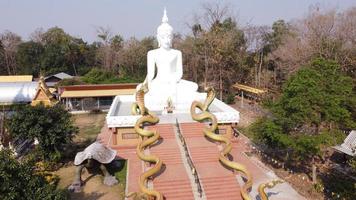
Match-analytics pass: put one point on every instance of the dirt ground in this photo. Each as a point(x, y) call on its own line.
point(89, 126)
point(249, 112)
point(94, 189)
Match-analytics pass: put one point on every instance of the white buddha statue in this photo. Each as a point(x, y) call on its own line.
point(164, 73)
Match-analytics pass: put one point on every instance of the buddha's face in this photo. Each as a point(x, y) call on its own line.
point(165, 39)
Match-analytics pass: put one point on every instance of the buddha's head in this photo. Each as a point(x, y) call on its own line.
point(165, 33)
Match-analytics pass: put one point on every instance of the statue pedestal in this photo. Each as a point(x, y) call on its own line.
point(180, 102)
point(120, 115)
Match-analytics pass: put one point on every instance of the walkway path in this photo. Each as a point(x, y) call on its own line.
point(261, 173)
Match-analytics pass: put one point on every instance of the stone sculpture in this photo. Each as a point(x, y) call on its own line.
point(166, 64)
point(149, 137)
point(95, 154)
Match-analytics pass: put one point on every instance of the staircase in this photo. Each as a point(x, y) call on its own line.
point(217, 181)
point(173, 182)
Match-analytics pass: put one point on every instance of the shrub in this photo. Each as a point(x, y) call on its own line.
point(270, 133)
point(19, 181)
point(52, 126)
point(100, 76)
point(230, 99)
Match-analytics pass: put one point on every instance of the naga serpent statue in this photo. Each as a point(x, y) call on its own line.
point(210, 133)
point(148, 137)
point(261, 188)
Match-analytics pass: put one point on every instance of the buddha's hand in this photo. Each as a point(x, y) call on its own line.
point(177, 80)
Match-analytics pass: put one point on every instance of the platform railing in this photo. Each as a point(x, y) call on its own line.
point(189, 161)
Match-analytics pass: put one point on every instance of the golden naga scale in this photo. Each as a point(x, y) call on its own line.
point(148, 137)
point(205, 115)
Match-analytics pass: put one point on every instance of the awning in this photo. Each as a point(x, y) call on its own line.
point(96, 93)
point(249, 89)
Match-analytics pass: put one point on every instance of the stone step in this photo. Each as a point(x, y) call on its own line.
point(172, 187)
point(220, 178)
point(179, 196)
point(221, 187)
point(221, 195)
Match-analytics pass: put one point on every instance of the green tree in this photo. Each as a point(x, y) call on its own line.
point(69, 81)
point(28, 57)
point(52, 126)
point(133, 57)
point(101, 76)
point(318, 96)
point(315, 104)
point(116, 42)
point(56, 47)
point(280, 29)
point(62, 52)
point(19, 181)
point(267, 131)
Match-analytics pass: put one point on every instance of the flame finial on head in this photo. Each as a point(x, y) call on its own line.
point(164, 27)
point(164, 18)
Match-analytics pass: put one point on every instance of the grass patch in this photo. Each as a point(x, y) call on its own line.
point(89, 126)
point(121, 174)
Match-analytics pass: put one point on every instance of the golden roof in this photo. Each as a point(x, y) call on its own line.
point(96, 93)
point(52, 90)
point(43, 94)
point(20, 78)
point(249, 89)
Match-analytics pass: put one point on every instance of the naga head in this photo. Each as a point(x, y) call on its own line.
point(210, 96)
point(139, 106)
point(273, 183)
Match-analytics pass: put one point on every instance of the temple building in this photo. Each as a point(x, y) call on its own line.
point(43, 95)
point(22, 90)
point(92, 97)
point(52, 80)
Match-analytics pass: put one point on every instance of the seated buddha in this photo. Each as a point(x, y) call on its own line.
point(164, 73)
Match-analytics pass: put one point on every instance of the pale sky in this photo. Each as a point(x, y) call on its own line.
point(140, 18)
